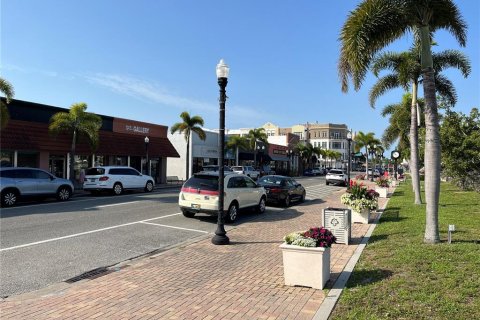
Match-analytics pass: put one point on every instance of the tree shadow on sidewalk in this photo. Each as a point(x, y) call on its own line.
point(359, 278)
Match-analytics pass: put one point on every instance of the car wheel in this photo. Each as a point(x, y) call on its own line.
point(261, 205)
point(149, 186)
point(188, 214)
point(64, 193)
point(117, 189)
point(327, 183)
point(304, 195)
point(232, 213)
point(9, 198)
point(287, 201)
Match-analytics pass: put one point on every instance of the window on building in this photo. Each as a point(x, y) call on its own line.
point(336, 145)
point(324, 145)
point(336, 135)
point(6, 159)
point(324, 134)
point(27, 159)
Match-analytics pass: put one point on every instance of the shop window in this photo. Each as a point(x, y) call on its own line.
point(27, 159)
point(120, 161)
point(81, 164)
point(100, 161)
point(336, 145)
point(57, 165)
point(6, 159)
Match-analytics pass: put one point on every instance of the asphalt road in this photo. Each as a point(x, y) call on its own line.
point(47, 243)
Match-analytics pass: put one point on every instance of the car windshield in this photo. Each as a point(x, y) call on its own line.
point(336, 172)
point(271, 180)
point(94, 171)
point(203, 182)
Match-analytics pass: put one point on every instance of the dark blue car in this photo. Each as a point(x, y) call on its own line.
point(308, 172)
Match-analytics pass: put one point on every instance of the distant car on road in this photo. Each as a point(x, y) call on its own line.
point(116, 179)
point(281, 189)
point(336, 176)
point(249, 171)
point(215, 168)
point(199, 194)
point(308, 173)
point(19, 183)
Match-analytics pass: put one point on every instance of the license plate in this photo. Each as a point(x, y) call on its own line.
point(195, 206)
point(267, 191)
point(92, 180)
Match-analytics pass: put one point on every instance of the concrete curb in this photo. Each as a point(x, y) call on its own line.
point(328, 304)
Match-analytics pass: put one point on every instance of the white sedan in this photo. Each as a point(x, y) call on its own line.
point(336, 176)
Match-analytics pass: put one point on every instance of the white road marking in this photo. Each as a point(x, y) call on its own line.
point(166, 226)
point(84, 233)
point(111, 205)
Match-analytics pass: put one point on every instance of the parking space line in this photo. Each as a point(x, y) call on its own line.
point(111, 205)
point(166, 226)
point(84, 233)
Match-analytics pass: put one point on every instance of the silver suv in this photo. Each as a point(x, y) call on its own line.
point(19, 183)
point(249, 171)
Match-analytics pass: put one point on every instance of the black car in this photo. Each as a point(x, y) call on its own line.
point(282, 190)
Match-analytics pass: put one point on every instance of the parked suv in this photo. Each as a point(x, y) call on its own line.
point(249, 171)
point(116, 179)
point(199, 194)
point(336, 176)
point(17, 183)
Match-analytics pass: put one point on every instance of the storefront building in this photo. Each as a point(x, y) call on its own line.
point(27, 142)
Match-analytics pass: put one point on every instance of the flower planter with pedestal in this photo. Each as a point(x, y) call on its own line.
point(383, 192)
point(361, 217)
point(306, 266)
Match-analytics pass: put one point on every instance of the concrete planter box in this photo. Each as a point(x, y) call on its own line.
point(383, 192)
point(305, 266)
point(361, 217)
point(393, 183)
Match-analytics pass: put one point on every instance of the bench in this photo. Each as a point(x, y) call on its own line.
point(173, 179)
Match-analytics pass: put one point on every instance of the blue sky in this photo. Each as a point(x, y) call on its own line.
point(150, 60)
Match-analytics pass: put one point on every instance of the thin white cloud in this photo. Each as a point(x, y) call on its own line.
point(145, 91)
point(148, 91)
point(12, 67)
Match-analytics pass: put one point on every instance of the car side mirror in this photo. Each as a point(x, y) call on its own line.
point(298, 185)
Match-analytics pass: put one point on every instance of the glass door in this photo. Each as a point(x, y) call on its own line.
point(56, 165)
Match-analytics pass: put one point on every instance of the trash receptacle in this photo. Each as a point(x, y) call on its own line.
point(338, 220)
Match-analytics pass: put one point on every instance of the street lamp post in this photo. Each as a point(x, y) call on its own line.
point(372, 152)
point(220, 237)
point(260, 148)
point(349, 165)
point(147, 141)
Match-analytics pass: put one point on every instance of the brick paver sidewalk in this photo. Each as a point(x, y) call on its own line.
point(243, 280)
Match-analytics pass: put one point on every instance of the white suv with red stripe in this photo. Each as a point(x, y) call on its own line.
point(199, 194)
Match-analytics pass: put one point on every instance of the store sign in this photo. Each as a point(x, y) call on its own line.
point(279, 151)
point(139, 128)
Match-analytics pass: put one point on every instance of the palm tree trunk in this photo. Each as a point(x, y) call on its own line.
point(255, 154)
point(366, 162)
point(414, 146)
point(72, 157)
point(432, 142)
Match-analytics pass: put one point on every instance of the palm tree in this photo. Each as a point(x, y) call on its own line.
point(256, 135)
point(7, 89)
point(373, 25)
point(236, 143)
point(189, 125)
point(363, 140)
point(79, 124)
point(406, 72)
point(399, 124)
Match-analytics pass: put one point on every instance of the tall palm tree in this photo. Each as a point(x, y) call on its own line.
point(364, 140)
point(79, 124)
point(236, 143)
point(256, 135)
point(406, 72)
point(372, 26)
point(187, 126)
point(7, 89)
point(399, 124)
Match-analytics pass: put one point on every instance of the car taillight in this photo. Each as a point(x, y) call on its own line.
point(199, 191)
point(275, 190)
point(104, 178)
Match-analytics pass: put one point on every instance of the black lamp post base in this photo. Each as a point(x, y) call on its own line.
point(220, 239)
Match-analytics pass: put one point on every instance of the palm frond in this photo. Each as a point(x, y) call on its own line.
point(7, 89)
point(452, 59)
point(445, 89)
point(383, 85)
point(199, 131)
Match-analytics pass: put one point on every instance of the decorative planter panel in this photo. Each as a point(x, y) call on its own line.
point(305, 266)
point(383, 192)
point(361, 217)
point(338, 221)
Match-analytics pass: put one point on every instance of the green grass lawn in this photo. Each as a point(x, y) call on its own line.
point(400, 277)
